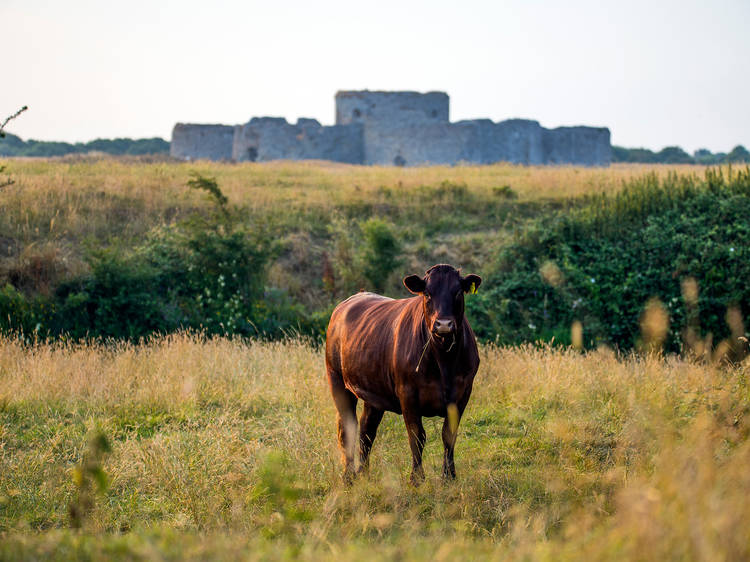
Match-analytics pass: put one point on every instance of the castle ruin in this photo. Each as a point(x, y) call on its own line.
point(394, 128)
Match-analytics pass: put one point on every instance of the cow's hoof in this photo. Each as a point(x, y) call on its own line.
point(348, 477)
point(416, 479)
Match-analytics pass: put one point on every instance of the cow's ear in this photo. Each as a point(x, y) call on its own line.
point(415, 284)
point(471, 283)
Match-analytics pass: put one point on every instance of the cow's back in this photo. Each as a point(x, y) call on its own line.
point(360, 345)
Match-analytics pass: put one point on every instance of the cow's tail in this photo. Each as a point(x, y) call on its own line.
point(452, 417)
point(449, 395)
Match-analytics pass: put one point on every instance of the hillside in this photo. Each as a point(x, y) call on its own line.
point(124, 248)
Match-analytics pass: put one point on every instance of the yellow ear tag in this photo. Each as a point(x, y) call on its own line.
point(473, 289)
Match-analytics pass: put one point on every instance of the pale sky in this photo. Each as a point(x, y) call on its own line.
point(656, 73)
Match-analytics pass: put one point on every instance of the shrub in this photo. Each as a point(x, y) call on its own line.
point(615, 253)
point(365, 255)
point(380, 253)
point(20, 314)
point(121, 298)
point(205, 273)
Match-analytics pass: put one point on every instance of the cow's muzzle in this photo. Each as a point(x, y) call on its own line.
point(444, 327)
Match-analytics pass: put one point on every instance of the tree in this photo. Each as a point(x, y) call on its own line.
point(10, 118)
point(673, 155)
point(738, 154)
point(7, 182)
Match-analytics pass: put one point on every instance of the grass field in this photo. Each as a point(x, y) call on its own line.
point(190, 447)
point(222, 449)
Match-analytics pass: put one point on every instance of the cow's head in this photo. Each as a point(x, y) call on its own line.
point(442, 289)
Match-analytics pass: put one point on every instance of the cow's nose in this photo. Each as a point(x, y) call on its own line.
point(443, 326)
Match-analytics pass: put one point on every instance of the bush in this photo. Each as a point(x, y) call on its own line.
point(366, 253)
point(20, 314)
point(380, 252)
point(194, 275)
point(601, 263)
point(207, 273)
point(120, 299)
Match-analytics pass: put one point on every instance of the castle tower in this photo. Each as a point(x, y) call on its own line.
point(388, 117)
point(391, 107)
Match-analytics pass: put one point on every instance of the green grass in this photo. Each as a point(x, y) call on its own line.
point(222, 449)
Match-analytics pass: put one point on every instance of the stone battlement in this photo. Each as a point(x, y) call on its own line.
point(394, 128)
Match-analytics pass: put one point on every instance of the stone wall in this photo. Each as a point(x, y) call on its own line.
point(394, 128)
point(192, 142)
point(272, 138)
point(518, 141)
point(477, 141)
point(588, 146)
point(418, 143)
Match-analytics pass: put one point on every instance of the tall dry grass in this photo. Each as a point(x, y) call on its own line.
point(75, 198)
point(225, 449)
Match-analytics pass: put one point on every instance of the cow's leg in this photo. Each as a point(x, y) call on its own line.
point(450, 431)
point(346, 420)
point(368, 428)
point(415, 431)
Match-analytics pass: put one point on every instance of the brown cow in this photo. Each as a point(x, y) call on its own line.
point(415, 356)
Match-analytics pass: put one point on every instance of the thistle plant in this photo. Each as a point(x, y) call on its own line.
point(88, 477)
